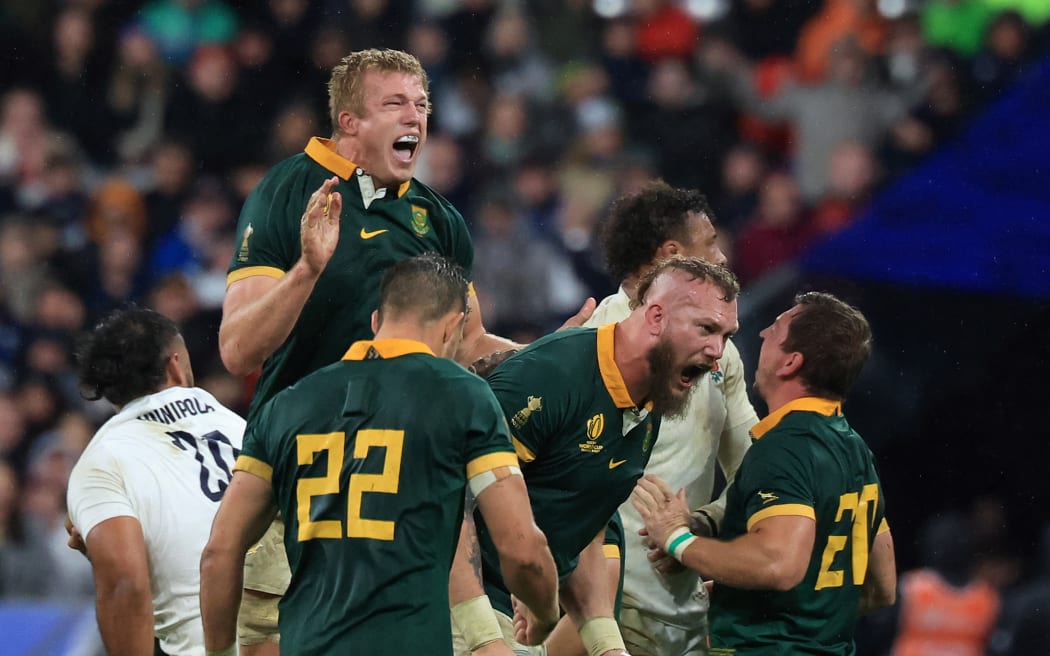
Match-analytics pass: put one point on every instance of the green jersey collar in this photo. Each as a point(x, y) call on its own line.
point(323, 152)
point(825, 407)
point(385, 348)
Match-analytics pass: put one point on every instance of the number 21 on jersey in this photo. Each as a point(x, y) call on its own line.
point(308, 446)
point(861, 508)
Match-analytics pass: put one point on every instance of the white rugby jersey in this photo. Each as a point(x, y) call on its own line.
point(714, 430)
point(164, 459)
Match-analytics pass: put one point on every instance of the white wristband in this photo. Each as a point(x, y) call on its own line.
point(476, 620)
point(600, 634)
point(678, 542)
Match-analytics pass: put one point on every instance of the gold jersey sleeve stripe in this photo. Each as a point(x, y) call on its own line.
point(249, 272)
point(784, 509)
point(491, 461)
point(255, 467)
point(524, 454)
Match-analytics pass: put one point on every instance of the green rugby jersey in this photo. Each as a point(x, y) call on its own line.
point(369, 460)
point(805, 461)
point(582, 441)
point(414, 221)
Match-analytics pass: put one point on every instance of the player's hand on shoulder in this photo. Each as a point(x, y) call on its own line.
point(581, 317)
point(319, 227)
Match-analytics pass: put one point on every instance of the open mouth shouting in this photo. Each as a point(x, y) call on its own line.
point(691, 374)
point(405, 147)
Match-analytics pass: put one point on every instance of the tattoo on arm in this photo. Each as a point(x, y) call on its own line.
point(474, 553)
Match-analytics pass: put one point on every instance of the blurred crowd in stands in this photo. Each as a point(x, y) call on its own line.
point(131, 131)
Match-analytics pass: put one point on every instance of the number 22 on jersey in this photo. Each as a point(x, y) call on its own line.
point(386, 482)
point(861, 508)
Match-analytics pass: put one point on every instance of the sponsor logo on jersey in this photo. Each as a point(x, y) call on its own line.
point(613, 463)
point(365, 234)
point(767, 496)
point(419, 220)
point(242, 253)
point(535, 404)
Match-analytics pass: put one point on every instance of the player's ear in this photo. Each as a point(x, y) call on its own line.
point(655, 317)
point(375, 321)
point(453, 325)
point(348, 123)
point(791, 364)
point(175, 370)
point(668, 248)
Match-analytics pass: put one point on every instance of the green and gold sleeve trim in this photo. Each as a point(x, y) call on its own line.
point(491, 461)
point(884, 526)
point(255, 467)
point(385, 348)
point(524, 454)
point(470, 289)
point(249, 272)
point(611, 375)
point(324, 153)
point(783, 510)
point(825, 407)
point(611, 551)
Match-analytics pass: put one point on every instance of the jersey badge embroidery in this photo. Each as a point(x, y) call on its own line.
point(535, 404)
point(717, 375)
point(613, 464)
point(767, 496)
point(419, 220)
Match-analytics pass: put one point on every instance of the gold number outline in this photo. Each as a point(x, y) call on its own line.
point(387, 482)
point(858, 505)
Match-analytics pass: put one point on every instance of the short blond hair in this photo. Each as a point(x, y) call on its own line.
point(345, 89)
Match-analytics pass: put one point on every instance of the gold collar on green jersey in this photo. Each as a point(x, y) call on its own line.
point(323, 152)
point(611, 375)
point(825, 407)
point(385, 348)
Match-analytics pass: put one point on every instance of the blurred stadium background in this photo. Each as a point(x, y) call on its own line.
point(896, 152)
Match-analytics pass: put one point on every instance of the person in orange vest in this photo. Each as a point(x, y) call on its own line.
point(944, 609)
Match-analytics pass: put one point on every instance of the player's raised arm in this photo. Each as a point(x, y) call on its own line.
point(260, 311)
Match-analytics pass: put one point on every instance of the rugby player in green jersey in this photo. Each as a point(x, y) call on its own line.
point(584, 408)
point(313, 240)
point(805, 546)
point(369, 467)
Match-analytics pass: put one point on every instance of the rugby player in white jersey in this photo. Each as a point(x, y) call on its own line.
point(143, 494)
point(665, 613)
